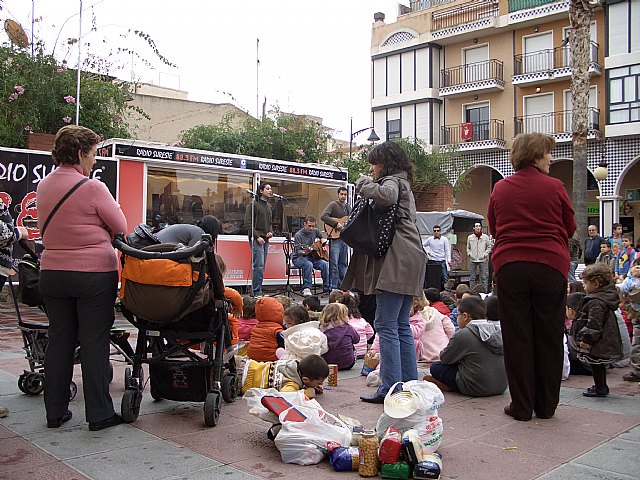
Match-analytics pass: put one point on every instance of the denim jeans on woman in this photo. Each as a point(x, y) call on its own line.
point(397, 350)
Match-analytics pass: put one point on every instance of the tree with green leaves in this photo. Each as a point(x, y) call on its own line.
point(286, 137)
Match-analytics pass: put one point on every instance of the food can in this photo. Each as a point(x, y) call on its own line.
point(332, 379)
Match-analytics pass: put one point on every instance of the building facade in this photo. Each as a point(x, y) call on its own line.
point(470, 76)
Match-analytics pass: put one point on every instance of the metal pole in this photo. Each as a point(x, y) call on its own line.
point(350, 137)
point(33, 22)
point(79, 66)
point(257, 80)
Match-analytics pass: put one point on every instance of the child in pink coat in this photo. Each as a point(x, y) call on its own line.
point(350, 300)
point(438, 330)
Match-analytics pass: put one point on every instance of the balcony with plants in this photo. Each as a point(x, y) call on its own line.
point(550, 65)
point(467, 18)
point(558, 124)
point(472, 78)
point(473, 136)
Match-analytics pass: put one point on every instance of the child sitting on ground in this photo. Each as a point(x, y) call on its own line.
point(453, 316)
point(286, 375)
point(248, 319)
point(341, 337)
point(267, 336)
point(435, 300)
point(437, 330)
point(350, 300)
point(312, 306)
point(302, 336)
point(595, 333)
point(472, 364)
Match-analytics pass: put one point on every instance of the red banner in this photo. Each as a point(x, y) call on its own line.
point(467, 131)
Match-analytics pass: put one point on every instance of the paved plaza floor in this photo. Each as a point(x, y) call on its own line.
point(587, 439)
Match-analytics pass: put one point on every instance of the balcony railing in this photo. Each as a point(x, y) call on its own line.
point(550, 59)
point(472, 72)
point(461, 14)
point(515, 5)
point(417, 5)
point(482, 131)
point(554, 123)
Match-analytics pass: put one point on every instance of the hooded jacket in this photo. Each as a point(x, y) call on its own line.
point(596, 325)
point(477, 350)
point(435, 337)
point(263, 344)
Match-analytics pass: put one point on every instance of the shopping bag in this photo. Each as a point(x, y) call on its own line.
point(308, 442)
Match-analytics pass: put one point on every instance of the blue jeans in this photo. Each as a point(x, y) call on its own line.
point(307, 265)
point(483, 268)
point(445, 374)
point(572, 271)
point(397, 350)
point(259, 261)
point(338, 262)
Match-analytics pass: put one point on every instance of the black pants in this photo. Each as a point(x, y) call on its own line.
point(80, 308)
point(599, 373)
point(532, 298)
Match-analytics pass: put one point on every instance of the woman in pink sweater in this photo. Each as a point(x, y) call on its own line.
point(79, 278)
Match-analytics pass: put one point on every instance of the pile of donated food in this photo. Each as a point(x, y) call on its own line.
point(403, 444)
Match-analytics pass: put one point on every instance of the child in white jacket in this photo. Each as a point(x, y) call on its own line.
point(302, 337)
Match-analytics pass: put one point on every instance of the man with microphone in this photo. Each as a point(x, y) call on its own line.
point(260, 231)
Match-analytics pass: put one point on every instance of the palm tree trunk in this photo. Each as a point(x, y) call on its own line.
point(580, 14)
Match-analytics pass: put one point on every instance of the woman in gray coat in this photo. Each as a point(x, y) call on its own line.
point(396, 277)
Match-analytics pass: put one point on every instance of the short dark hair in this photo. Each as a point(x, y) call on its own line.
point(310, 218)
point(350, 299)
point(314, 367)
point(598, 272)
point(69, 140)
point(626, 235)
point(297, 314)
point(616, 225)
point(432, 294)
point(574, 300)
point(473, 306)
point(210, 225)
point(576, 286)
point(248, 307)
point(313, 303)
point(605, 242)
point(491, 304)
point(262, 185)
point(342, 188)
point(436, 226)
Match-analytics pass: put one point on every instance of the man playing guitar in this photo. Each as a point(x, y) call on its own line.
point(308, 251)
point(334, 216)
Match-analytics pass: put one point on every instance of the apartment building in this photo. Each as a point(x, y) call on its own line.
point(470, 76)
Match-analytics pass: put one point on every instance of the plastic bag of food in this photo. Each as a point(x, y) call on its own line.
point(390, 446)
point(344, 459)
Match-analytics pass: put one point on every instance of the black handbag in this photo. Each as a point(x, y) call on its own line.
point(368, 230)
point(29, 266)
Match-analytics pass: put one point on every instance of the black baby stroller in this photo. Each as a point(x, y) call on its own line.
point(35, 332)
point(175, 297)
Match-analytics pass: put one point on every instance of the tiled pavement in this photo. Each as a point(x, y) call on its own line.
point(587, 439)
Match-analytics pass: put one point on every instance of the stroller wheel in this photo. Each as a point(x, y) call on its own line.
point(155, 394)
point(130, 406)
point(21, 382)
point(73, 390)
point(229, 388)
point(127, 377)
point(212, 409)
point(34, 383)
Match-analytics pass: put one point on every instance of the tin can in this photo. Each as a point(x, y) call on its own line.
point(332, 379)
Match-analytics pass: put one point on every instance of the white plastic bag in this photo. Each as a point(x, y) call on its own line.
point(305, 443)
point(254, 396)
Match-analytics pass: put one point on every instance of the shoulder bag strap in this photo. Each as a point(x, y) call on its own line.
point(59, 204)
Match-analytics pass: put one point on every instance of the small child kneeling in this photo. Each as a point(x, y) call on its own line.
point(286, 375)
point(472, 364)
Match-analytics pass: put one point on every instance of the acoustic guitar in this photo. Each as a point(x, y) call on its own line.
point(332, 232)
point(318, 250)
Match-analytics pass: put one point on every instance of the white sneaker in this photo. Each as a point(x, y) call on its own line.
point(306, 292)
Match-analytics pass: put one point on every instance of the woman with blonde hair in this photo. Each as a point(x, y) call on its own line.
point(531, 219)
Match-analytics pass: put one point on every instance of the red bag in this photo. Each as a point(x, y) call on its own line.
point(390, 446)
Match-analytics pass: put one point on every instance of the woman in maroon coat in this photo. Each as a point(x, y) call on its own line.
point(531, 219)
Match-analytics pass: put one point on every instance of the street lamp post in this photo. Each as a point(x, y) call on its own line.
point(373, 137)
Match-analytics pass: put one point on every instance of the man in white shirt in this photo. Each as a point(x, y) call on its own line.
point(438, 251)
point(478, 250)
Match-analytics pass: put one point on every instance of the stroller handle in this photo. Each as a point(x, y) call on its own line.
point(203, 244)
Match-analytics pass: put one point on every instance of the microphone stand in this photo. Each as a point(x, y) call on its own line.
point(287, 249)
